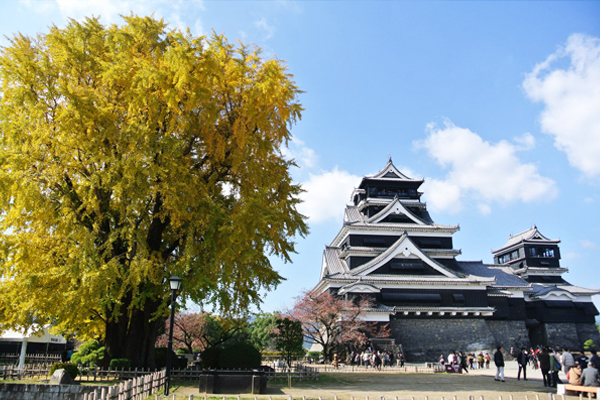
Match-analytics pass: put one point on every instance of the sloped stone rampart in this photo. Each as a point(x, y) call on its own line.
point(587, 331)
point(563, 335)
point(426, 339)
point(510, 334)
point(17, 391)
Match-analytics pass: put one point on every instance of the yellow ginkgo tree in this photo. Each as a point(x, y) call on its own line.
point(128, 154)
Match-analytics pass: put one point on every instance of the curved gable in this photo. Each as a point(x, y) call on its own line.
point(403, 248)
point(395, 207)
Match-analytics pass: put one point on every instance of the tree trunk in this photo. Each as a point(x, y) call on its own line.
point(133, 336)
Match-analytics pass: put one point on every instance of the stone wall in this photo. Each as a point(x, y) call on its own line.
point(563, 334)
point(587, 331)
point(426, 339)
point(18, 391)
point(509, 334)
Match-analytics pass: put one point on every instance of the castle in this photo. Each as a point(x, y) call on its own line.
point(390, 250)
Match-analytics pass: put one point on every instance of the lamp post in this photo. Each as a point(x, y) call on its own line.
point(175, 284)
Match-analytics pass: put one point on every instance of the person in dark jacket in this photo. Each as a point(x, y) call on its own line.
point(499, 361)
point(522, 359)
point(594, 359)
point(462, 360)
point(582, 360)
point(544, 358)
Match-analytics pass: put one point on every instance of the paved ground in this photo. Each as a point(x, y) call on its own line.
point(407, 386)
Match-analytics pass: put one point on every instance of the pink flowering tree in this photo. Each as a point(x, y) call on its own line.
point(330, 320)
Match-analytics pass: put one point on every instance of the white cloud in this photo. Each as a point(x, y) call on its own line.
point(442, 195)
point(572, 101)
point(304, 156)
point(269, 30)
point(486, 172)
point(327, 194)
point(588, 244)
point(526, 141)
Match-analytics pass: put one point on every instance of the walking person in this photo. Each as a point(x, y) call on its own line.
point(462, 360)
point(499, 361)
point(544, 358)
point(555, 368)
point(522, 359)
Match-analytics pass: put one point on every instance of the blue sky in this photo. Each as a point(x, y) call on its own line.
point(496, 104)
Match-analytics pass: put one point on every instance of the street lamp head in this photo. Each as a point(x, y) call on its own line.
point(175, 282)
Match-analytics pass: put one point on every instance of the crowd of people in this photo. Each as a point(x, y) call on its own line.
point(376, 359)
point(579, 370)
point(551, 361)
point(466, 361)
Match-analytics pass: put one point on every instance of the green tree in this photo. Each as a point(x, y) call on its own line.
point(589, 345)
point(90, 353)
point(132, 153)
point(261, 331)
point(289, 338)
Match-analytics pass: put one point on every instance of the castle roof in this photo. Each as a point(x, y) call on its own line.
point(504, 276)
point(531, 235)
point(390, 172)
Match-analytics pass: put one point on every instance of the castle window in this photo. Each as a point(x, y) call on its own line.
point(541, 252)
point(513, 255)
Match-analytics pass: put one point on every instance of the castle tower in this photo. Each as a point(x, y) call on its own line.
point(557, 312)
point(390, 250)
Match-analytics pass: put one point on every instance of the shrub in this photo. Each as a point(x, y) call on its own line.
point(71, 369)
point(240, 355)
point(91, 353)
point(209, 358)
point(160, 359)
point(120, 363)
point(314, 354)
point(589, 345)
